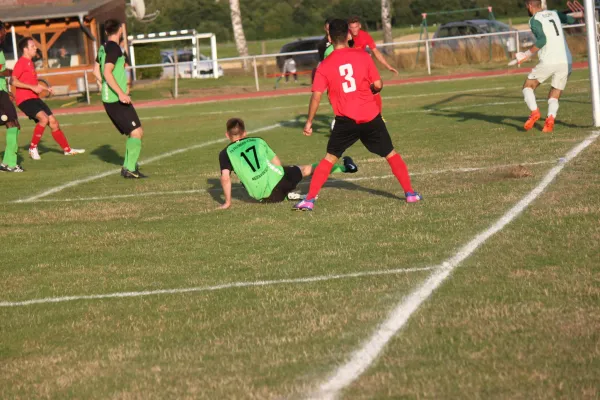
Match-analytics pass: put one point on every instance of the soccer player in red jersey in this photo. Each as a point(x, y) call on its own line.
point(362, 40)
point(28, 91)
point(352, 79)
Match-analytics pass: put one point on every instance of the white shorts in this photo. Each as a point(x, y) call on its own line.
point(559, 73)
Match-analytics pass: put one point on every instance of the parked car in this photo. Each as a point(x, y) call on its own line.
point(303, 61)
point(478, 27)
point(204, 65)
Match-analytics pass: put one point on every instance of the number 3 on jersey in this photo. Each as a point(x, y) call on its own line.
point(346, 72)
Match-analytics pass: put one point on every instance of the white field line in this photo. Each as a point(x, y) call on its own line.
point(146, 161)
point(362, 358)
point(320, 278)
point(330, 183)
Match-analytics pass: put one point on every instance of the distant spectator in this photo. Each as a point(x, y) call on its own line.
point(64, 58)
point(289, 68)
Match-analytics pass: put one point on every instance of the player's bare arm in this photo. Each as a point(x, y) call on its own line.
point(34, 88)
point(313, 107)
point(97, 74)
point(6, 72)
point(382, 60)
point(112, 83)
point(376, 86)
point(276, 161)
point(226, 184)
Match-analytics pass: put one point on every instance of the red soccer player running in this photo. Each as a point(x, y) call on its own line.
point(24, 78)
point(362, 40)
point(351, 78)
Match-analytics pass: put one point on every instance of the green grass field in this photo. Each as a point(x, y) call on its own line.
point(519, 318)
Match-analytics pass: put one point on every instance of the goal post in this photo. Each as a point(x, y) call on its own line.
point(183, 35)
point(592, 43)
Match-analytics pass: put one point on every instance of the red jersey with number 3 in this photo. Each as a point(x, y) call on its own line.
point(24, 71)
point(347, 74)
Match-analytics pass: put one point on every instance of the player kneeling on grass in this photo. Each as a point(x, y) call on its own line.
point(24, 78)
point(259, 169)
point(555, 61)
point(111, 75)
point(352, 80)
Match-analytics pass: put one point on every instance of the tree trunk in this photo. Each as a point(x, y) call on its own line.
point(238, 30)
point(386, 23)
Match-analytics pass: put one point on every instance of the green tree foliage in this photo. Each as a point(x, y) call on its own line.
point(270, 19)
point(145, 55)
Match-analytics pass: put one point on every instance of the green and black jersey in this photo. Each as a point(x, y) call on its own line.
point(250, 159)
point(111, 53)
point(3, 85)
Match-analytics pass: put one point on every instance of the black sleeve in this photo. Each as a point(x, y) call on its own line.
point(113, 52)
point(321, 47)
point(224, 161)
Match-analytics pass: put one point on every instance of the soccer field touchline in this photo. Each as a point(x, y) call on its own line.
point(77, 182)
point(311, 279)
point(362, 358)
point(328, 184)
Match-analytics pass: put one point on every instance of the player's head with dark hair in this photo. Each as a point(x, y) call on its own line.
point(354, 25)
point(338, 31)
point(236, 129)
point(27, 47)
point(112, 26)
point(533, 6)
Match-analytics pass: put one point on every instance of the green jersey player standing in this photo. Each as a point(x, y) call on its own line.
point(259, 168)
point(555, 61)
point(111, 76)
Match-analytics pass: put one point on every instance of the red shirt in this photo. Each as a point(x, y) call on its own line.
point(347, 74)
point(362, 40)
point(24, 71)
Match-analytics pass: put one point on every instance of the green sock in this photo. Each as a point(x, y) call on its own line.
point(133, 148)
point(10, 152)
point(334, 169)
point(126, 156)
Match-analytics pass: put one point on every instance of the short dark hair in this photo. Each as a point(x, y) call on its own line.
point(236, 126)
point(338, 31)
point(328, 21)
point(111, 26)
point(353, 20)
point(24, 43)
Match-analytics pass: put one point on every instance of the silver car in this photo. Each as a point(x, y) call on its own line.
point(204, 65)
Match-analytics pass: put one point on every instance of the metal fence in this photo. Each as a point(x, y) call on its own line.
point(260, 72)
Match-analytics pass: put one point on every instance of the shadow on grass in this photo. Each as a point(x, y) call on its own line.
point(321, 123)
point(107, 154)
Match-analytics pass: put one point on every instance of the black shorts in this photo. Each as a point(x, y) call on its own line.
point(373, 134)
point(291, 178)
point(8, 112)
point(123, 117)
point(32, 107)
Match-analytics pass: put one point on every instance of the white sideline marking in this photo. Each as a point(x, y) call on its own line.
point(329, 183)
point(311, 279)
point(146, 161)
point(362, 358)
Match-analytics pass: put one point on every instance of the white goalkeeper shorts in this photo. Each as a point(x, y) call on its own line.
point(558, 72)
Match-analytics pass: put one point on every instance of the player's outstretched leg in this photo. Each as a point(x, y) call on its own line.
point(319, 177)
point(38, 131)
point(529, 97)
point(401, 173)
point(61, 139)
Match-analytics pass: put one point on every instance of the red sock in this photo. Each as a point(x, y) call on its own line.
point(38, 131)
point(379, 102)
point(319, 177)
point(60, 138)
point(400, 172)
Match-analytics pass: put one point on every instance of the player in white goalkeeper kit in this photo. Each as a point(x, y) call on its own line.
point(555, 61)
